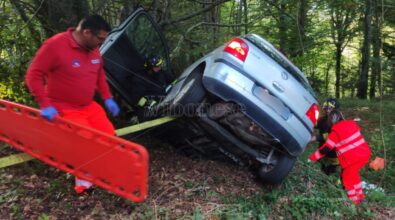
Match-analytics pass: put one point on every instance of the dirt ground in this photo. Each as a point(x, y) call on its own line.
point(177, 184)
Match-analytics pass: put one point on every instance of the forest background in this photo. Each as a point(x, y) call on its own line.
point(346, 48)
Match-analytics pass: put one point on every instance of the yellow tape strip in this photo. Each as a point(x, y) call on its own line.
point(14, 159)
point(142, 126)
point(22, 157)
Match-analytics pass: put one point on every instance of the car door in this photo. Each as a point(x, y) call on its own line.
point(125, 53)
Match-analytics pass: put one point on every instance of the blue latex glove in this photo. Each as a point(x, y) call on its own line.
point(112, 106)
point(49, 113)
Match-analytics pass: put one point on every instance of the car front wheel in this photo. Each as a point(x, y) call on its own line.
point(190, 95)
point(276, 171)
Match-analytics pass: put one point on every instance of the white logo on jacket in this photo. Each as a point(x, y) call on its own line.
point(95, 61)
point(75, 63)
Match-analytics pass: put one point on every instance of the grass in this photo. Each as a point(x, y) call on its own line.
point(378, 126)
point(308, 193)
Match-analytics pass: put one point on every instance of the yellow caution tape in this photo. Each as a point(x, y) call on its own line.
point(22, 157)
point(142, 126)
point(14, 159)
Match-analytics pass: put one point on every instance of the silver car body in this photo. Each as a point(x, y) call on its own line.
point(270, 94)
point(278, 107)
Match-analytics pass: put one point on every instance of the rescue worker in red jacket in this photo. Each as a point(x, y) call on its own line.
point(64, 75)
point(352, 152)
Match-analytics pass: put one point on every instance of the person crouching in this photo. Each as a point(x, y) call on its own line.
point(352, 152)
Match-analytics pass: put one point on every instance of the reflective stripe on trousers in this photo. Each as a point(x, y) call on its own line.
point(81, 182)
point(358, 190)
point(352, 195)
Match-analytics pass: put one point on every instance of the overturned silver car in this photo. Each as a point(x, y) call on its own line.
point(244, 100)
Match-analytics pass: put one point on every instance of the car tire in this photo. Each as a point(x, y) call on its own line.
point(276, 173)
point(190, 95)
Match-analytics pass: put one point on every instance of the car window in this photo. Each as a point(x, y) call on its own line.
point(276, 56)
point(146, 40)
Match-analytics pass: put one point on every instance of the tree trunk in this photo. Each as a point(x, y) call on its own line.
point(282, 28)
point(328, 68)
point(245, 16)
point(375, 78)
point(57, 15)
point(215, 18)
point(127, 8)
point(342, 30)
point(154, 11)
point(301, 25)
point(239, 17)
point(337, 71)
point(363, 77)
point(393, 80)
point(22, 12)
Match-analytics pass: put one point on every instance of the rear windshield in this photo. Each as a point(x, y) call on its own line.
point(273, 53)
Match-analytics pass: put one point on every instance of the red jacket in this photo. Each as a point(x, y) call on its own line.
point(346, 138)
point(71, 73)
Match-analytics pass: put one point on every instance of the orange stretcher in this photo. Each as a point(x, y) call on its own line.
point(112, 163)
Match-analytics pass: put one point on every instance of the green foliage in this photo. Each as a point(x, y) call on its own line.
point(320, 205)
point(197, 215)
point(15, 90)
point(43, 217)
point(16, 49)
point(16, 211)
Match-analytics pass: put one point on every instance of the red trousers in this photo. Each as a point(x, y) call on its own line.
point(352, 181)
point(92, 116)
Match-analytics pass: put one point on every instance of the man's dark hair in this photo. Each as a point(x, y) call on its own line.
point(95, 23)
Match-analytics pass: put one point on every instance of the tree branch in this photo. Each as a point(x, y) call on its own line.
point(280, 10)
point(27, 20)
point(186, 17)
point(176, 50)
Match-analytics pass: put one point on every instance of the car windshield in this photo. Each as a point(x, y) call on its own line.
point(146, 40)
point(273, 53)
point(126, 56)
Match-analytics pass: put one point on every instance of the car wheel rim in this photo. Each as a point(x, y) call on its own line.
point(267, 168)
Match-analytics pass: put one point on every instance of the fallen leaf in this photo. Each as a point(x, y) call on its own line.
point(26, 208)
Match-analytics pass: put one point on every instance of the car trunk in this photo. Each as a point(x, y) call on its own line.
point(281, 82)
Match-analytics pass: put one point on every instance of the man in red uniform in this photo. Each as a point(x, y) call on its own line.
point(65, 73)
point(351, 149)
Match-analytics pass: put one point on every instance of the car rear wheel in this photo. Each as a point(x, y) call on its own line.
point(276, 171)
point(191, 94)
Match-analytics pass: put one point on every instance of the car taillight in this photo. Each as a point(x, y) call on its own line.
point(313, 113)
point(237, 48)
